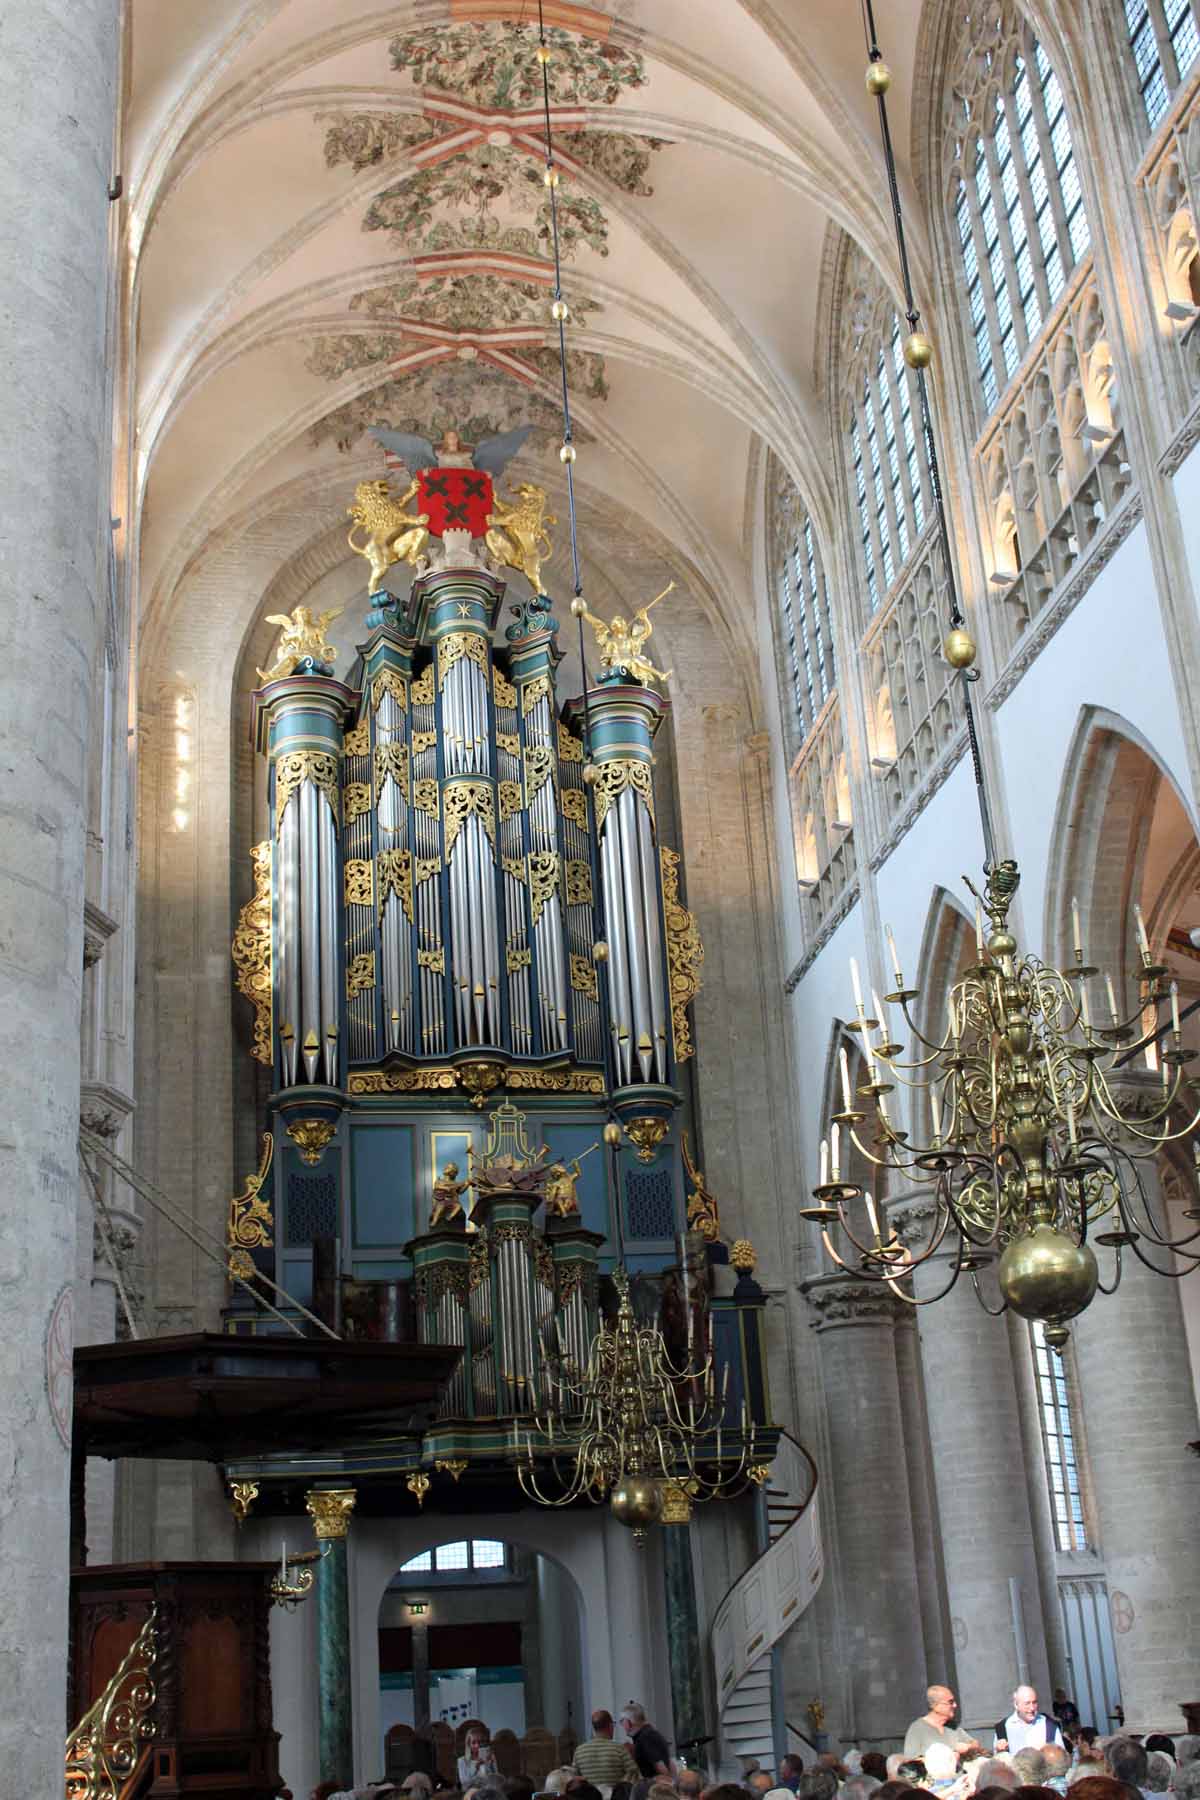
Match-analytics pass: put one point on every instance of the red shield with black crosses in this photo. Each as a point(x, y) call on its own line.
point(455, 499)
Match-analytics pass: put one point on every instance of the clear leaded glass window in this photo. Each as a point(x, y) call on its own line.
point(1163, 41)
point(1058, 1444)
point(888, 469)
point(452, 1559)
point(1018, 210)
point(802, 595)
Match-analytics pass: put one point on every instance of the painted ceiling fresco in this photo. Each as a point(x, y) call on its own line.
point(469, 214)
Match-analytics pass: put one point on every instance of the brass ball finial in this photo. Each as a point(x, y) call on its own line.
point(543, 54)
point(637, 1502)
point(591, 774)
point(959, 648)
point(600, 951)
point(551, 176)
point(560, 312)
point(578, 607)
point(879, 78)
point(1044, 1274)
point(611, 1134)
point(918, 350)
point(567, 453)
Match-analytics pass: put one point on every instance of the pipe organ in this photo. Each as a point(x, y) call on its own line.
point(463, 912)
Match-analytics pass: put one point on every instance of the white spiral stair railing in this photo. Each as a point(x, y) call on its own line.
point(765, 1602)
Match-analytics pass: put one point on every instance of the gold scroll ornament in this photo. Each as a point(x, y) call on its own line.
point(252, 951)
point(703, 1214)
point(685, 953)
point(390, 534)
point(457, 644)
point(249, 1226)
point(396, 877)
point(543, 880)
point(360, 974)
point(517, 537)
point(390, 760)
point(459, 800)
point(389, 681)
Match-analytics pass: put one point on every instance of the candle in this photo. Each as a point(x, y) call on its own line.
point(935, 1113)
point(835, 1134)
point(1084, 1010)
point(952, 1016)
point(856, 984)
point(873, 1216)
point(1139, 925)
point(891, 944)
point(979, 928)
point(1175, 1008)
point(844, 1065)
point(1075, 931)
point(824, 1163)
point(1071, 1125)
point(283, 1559)
point(1112, 999)
point(881, 1013)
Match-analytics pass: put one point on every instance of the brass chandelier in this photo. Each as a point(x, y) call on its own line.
point(633, 1424)
point(1039, 1131)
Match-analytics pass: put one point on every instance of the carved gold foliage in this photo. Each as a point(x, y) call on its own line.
point(402, 1081)
point(583, 976)
point(360, 974)
point(390, 759)
point(543, 880)
point(510, 798)
point(457, 644)
point(508, 740)
point(389, 681)
point(396, 877)
point(517, 959)
point(461, 799)
point(356, 800)
point(360, 883)
point(532, 692)
point(574, 806)
point(425, 797)
point(330, 1510)
point(703, 1214)
point(422, 741)
point(570, 749)
point(441, 1080)
point(539, 763)
point(311, 1137)
point(514, 866)
point(304, 765)
point(612, 780)
point(555, 1081)
point(358, 741)
point(685, 953)
point(424, 867)
point(422, 689)
point(506, 693)
point(249, 1226)
point(432, 959)
point(578, 882)
point(252, 951)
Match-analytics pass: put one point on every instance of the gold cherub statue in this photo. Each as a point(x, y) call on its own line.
point(303, 635)
point(562, 1197)
point(393, 535)
point(447, 1197)
point(620, 642)
point(517, 537)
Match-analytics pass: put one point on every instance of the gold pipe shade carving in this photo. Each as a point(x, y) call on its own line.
point(250, 1223)
point(252, 951)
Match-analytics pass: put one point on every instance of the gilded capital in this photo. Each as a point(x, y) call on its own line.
point(330, 1509)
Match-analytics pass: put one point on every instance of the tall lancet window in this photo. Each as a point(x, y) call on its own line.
point(1163, 40)
point(889, 476)
point(802, 600)
point(1013, 189)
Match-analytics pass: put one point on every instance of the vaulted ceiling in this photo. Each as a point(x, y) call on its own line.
point(336, 219)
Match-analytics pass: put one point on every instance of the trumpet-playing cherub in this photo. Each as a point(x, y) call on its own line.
point(620, 642)
point(303, 635)
point(562, 1182)
point(447, 1197)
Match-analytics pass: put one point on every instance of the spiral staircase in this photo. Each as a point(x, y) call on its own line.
point(763, 1604)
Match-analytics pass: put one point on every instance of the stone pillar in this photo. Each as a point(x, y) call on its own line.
point(1139, 1407)
point(931, 1577)
point(866, 1509)
point(979, 1479)
point(330, 1509)
point(57, 84)
point(683, 1620)
point(420, 1673)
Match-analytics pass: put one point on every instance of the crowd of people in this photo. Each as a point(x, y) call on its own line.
point(1032, 1755)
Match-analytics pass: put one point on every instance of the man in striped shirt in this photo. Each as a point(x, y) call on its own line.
point(601, 1760)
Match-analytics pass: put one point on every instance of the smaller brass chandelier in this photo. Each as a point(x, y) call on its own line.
point(1038, 1133)
point(634, 1423)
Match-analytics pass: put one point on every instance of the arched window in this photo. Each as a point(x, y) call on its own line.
point(889, 476)
point(1013, 188)
point(802, 598)
point(1164, 40)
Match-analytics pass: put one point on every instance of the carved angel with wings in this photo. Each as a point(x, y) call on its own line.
point(620, 641)
point(303, 635)
point(492, 454)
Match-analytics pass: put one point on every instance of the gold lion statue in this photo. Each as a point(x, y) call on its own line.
point(517, 536)
point(303, 635)
point(392, 535)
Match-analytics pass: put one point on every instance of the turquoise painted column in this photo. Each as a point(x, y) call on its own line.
point(330, 1510)
point(683, 1619)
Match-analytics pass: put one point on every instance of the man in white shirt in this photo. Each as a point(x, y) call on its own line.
point(1025, 1727)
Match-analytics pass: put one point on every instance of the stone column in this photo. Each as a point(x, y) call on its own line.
point(979, 1479)
point(57, 84)
point(866, 1511)
point(330, 1509)
point(1139, 1408)
point(420, 1673)
point(931, 1577)
point(683, 1619)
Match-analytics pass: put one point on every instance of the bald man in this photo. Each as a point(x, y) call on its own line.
point(934, 1727)
point(1025, 1727)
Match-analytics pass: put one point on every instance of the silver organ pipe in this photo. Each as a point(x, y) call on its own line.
point(310, 943)
point(641, 1020)
point(289, 959)
point(327, 884)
